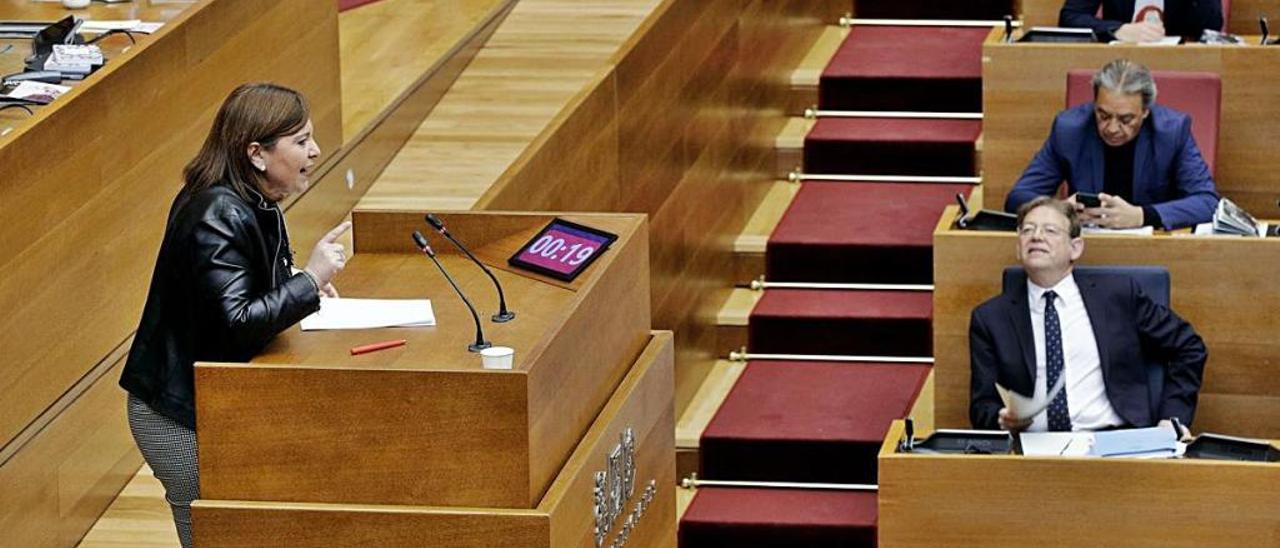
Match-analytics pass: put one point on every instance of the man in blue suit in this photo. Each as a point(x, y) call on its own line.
point(1138, 156)
point(1187, 18)
point(1096, 332)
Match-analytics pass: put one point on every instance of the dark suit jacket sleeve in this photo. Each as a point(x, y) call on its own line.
point(1198, 195)
point(1083, 14)
point(1172, 340)
point(1042, 176)
point(984, 401)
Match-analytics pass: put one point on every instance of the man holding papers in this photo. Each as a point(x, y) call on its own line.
point(1092, 334)
point(1143, 20)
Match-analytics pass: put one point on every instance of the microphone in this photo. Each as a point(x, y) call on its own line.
point(503, 314)
point(423, 246)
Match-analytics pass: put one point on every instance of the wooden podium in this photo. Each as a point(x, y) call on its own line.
point(1011, 500)
point(419, 445)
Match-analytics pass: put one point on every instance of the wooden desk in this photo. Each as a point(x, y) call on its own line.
point(563, 517)
point(1222, 285)
point(1025, 85)
point(1010, 500)
point(424, 424)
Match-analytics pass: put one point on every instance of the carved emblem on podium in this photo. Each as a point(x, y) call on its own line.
point(614, 486)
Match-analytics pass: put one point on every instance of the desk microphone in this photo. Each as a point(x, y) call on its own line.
point(503, 314)
point(423, 246)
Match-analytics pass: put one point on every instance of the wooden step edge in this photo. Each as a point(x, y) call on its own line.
point(736, 310)
point(755, 234)
point(809, 71)
point(684, 497)
point(706, 401)
point(792, 134)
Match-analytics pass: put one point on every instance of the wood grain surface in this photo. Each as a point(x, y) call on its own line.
point(563, 517)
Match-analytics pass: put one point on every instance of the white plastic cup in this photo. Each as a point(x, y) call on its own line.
point(497, 357)
point(75, 4)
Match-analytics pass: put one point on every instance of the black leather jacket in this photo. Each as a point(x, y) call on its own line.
point(221, 289)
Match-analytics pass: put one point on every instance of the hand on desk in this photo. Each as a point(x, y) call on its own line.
point(1115, 212)
point(1145, 31)
point(1007, 422)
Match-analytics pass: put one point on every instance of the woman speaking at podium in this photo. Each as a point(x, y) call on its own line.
point(224, 283)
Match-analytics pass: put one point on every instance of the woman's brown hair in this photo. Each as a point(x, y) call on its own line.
point(257, 112)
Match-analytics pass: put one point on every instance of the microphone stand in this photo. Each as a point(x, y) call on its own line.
point(503, 314)
point(423, 246)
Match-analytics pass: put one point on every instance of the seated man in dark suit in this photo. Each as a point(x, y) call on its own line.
point(1098, 331)
point(1138, 156)
point(1186, 18)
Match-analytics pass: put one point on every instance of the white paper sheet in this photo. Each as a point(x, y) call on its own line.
point(1055, 444)
point(1024, 408)
point(370, 314)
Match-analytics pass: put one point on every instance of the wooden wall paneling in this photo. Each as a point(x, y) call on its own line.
point(1024, 86)
point(563, 517)
point(87, 244)
point(1227, 305)
point(370, 148)
point(59, 482)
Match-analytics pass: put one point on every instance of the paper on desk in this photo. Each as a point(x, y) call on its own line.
point(131, 25)
point(1054, 444)
point(1023, 408)
point(370, 314)
point(1140, 231)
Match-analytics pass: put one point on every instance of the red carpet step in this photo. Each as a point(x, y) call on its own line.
point(859, 232)
point(930, 69)
point(778, 518)
point(886, 146)
point(992, 10)
point(844, 323)
point(808, 421)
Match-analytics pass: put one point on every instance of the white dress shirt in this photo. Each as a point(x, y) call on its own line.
point(1082, 370)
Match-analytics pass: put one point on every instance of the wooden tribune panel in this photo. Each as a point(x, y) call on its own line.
point(564, 517)
point(308, 422)
point(1222, 285)
point(1025, 85)
point(1009, 500)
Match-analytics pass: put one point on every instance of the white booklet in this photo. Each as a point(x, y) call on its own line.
point(370, 314)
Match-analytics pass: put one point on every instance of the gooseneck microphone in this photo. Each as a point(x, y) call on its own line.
point(503, 314)
point(423, 246)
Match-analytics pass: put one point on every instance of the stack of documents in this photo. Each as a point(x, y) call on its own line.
point(74, 59)
point(370, 314)
point(1158, 442)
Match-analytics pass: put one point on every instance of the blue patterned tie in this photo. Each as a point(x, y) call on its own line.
point(1059, 415)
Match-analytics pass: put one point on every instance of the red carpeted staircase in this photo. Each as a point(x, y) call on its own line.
point(822, 420)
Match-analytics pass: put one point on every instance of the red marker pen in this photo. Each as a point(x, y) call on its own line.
point(358, 350)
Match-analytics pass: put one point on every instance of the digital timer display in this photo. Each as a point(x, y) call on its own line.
point(562, 250)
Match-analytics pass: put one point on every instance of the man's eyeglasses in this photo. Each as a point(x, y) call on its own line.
point(1051, 231)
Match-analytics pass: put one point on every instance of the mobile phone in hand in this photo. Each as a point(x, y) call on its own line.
point(1088, 199)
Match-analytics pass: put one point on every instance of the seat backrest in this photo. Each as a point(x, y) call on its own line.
point(1199, 94)
point(1153, 280)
